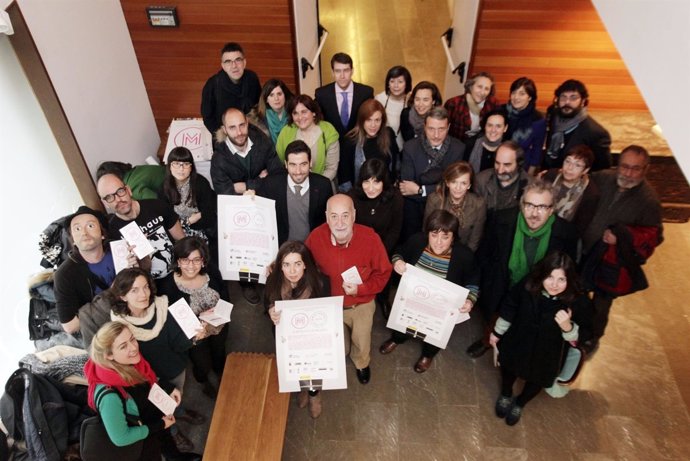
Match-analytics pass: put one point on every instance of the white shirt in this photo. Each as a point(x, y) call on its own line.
point(339, 97)
point(235, 151)
point(305, 185)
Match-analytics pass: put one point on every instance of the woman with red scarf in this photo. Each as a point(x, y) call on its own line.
point(119, 383)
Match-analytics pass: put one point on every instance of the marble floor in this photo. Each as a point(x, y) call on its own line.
point(631, 401)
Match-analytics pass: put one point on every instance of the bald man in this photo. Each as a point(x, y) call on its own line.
point(156, 219)
point(338, 245)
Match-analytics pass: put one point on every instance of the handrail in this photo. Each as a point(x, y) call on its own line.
point(306, 65)
point(446, 40)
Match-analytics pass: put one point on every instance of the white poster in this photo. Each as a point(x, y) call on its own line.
point(192, 134)
point(427, 306)
point(310, 347)
point(247, 237)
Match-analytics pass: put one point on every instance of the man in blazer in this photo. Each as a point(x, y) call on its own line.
point(340, 100)
point(300, 196)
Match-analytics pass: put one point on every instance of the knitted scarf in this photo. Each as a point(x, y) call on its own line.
point(275, 122)
point(96, 374)
point(517, 264)
point(561, 126)
point(520, 122)
point(416, 122)
point(159, 308)
point(478, 150)
point(567, 205)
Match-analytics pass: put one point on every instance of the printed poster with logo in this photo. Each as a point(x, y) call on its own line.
point(310, 349)
point(427, 307)
point(247, 237)
point(192, 134)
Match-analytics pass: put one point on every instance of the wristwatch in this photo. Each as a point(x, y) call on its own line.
point(421, 190)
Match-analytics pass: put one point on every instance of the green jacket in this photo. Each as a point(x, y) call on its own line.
point(329, 135)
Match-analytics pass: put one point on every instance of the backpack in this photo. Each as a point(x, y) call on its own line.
point(37, 416)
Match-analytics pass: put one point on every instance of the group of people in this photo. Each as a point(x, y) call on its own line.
point(521, 209)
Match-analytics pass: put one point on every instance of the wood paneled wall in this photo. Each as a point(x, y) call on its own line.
point(176, 62)
point(552, 41)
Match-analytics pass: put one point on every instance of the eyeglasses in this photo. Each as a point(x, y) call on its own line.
point(538, 208)
point(181, 165)
point(111, 197)
point(187, 261)
point(234, 62)
point(574, 164)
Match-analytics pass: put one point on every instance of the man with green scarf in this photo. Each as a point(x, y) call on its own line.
point(517, 239)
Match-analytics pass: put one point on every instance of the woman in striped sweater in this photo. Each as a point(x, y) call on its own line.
point(438, 251)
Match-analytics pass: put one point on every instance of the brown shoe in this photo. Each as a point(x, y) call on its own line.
point(388, 347)
point(315, 406)
point(303, 398)
point(423, 364)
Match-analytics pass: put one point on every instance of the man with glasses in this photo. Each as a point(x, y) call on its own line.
point(569, 124)
point(156, 219)
point(623, 233)
point(516, 240)
point(233, 86)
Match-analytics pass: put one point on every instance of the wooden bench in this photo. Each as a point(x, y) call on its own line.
point(250, 414)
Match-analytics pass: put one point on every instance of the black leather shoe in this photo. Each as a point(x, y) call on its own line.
point(364, 375)
point(477, 349)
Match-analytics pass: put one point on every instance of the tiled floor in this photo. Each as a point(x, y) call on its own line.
point(630, 402)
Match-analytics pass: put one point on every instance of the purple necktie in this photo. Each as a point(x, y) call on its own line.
point(344, 110)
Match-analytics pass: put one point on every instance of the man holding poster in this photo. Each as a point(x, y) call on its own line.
point(356, 262)
point(435, 251)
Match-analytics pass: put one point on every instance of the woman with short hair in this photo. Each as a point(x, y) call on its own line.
point(424, 97)
point(398, 85)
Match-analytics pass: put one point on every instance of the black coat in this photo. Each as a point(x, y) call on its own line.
point(590, 133)
point(325, 97)
point(588, 204)
point(533, 348)
point(226, 168)
point(494, 253)
point(348, 146)
point(275, 188)
point(206, 202)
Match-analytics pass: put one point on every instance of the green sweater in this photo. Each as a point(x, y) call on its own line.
point(115, 422)
point(328, 136)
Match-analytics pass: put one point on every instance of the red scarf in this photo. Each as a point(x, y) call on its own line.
point(96, 374)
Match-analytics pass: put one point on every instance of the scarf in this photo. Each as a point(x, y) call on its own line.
point(567, 205)
point(561, 126)
point(416, 122)
point(517, 264)
point(96, 374)
point(434, 170)
point(160, 311)
point(287, 293)
point(520, 122)
point(183, 209)
point(478, 150)
point(275, 122)
point(360, 158)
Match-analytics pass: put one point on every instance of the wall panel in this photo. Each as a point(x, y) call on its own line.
point(550, 42)
point(176, 62)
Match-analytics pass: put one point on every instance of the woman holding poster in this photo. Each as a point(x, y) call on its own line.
point(295, 276)
point(438, 251)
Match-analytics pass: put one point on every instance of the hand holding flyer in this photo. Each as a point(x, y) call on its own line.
point(161, 400)
point(352, 276)
point(120, 252)
point(185, 317)
point(218, 315)
point(135, 237)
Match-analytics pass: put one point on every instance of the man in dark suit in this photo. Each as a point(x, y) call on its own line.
point(340, 100)
point(300, 195)
point(423, 161)
point(569, 125)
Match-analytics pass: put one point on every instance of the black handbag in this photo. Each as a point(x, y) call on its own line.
point(95, 443)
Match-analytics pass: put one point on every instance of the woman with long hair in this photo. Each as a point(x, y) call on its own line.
point(537, 322)
point(425, 96)
point(370, 138)
point(295, 276)
point(398, 85)
point(307, 124)
point(119, 381)
point(454, 195)
point(271, 114)
point(190, 195)
point(197, 280)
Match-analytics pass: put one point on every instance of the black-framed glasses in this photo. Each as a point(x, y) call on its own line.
point(188, 261)
point(119, 193)
point(538, 208)
point(176, 164)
